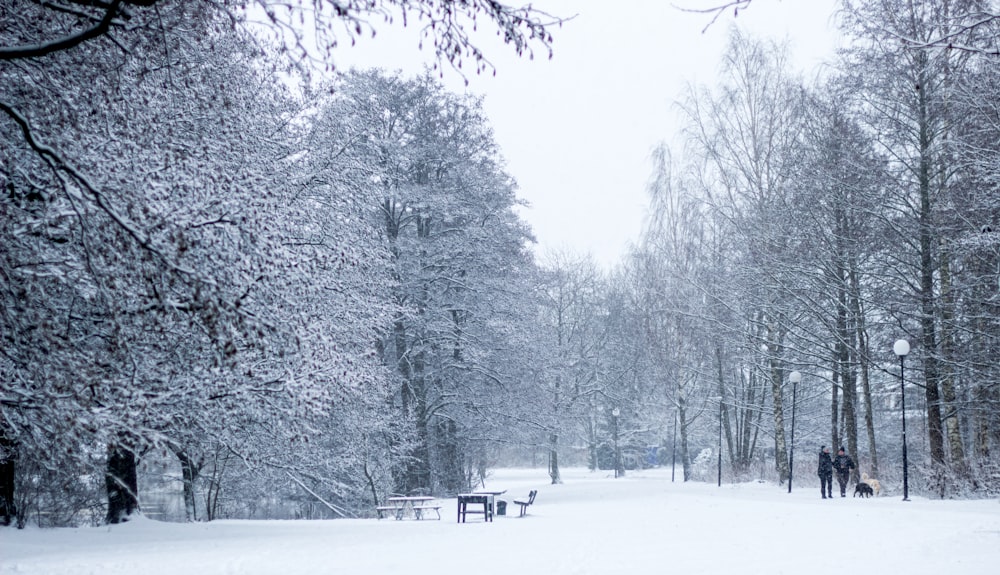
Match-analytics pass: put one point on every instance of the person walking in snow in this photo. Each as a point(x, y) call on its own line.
point(825, 472)
point(843, 464)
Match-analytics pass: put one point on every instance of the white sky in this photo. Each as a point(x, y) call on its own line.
point(577, 130)
point(640, 524)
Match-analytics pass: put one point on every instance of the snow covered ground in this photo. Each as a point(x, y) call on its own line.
point(591, 524)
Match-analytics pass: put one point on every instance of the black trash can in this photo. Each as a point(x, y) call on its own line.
point(501, 507)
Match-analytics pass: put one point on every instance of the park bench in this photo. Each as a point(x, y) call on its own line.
point(524, 504)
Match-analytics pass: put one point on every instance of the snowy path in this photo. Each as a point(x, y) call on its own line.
point(591, 524)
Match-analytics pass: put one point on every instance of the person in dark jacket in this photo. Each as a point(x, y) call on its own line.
point(843, 464)
point(825, 472)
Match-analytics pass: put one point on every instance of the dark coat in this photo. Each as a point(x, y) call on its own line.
point(825, 465)
point(843, 464)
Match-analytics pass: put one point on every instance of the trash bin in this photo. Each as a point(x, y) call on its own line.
point(501, 507)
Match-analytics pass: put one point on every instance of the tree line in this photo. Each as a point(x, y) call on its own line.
point(272, 285)
point(266, 290)
point(807, 226)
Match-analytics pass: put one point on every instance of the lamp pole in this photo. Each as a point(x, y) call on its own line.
point(618, 454)
point(902, 348)
point(720, 441)
point(795, 377)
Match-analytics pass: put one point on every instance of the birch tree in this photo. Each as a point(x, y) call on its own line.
point(749, 131)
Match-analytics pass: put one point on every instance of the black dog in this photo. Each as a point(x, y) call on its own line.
point(864, 489)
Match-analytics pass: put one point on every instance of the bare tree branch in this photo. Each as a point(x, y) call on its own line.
point(949, 40)
point(66, 42)
point(717, 10)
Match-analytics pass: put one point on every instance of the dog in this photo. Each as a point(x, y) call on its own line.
point(873, 483)
point(863, 488)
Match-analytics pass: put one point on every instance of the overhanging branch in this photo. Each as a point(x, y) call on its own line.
point(66, 42)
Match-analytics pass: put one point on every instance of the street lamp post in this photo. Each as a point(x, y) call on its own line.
point(901, 348)
point(618, 454)
point(795, 377)
point(720, 442)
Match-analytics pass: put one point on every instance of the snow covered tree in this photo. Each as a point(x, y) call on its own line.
point(37, 30)
point(573, 333)
point(837, 195)
point(749, 130)
point(456, 247)
point(186, 287)
point(976, 252)
point(910, 87)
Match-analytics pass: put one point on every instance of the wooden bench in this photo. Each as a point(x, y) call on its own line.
point(418, 510)
point(524, 504)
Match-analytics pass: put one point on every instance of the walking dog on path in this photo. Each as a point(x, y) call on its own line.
point(873, 483)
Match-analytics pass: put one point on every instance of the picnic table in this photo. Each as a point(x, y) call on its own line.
point(412, 506)
point(485, 498)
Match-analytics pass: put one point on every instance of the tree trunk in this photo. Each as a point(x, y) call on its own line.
point(748, 420)
point(985, 393)
point(554, 458)
point(864, 361)
point(370, 481)
point(401, 470)
point(419, 470)
point(592, 464)
point(189, 474)
point(835, 406)
point(554, 435)
point(415, 476)
point(928, 314)
point(451, 463)
point(122, 484)
point(850, 416)
point(866, 388)
point(683, 420)
point(845, 365)
point(8, 473)
point(213, 488)
point(776, 374)
point(951, 421)
point(726, 424)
